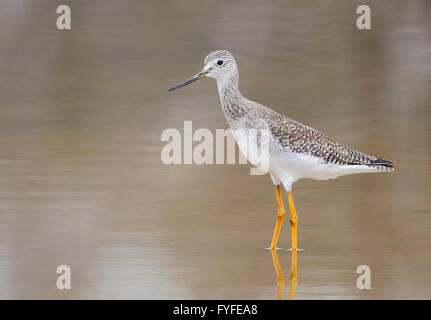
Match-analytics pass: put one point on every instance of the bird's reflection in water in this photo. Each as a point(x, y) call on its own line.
point(293, 278)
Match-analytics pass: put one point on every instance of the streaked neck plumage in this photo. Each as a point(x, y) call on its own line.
point(230, 97)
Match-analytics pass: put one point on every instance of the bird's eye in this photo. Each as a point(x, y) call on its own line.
point(220, 62)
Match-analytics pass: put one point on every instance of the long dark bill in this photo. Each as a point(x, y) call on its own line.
point(198, 76)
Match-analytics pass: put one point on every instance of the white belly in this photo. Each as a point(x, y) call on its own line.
point(291, 168)
point(287, 167)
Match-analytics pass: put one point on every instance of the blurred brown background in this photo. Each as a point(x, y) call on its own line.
point(82, 184)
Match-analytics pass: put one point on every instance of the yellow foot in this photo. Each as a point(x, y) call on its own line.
point(273, 248)
point(280, 216)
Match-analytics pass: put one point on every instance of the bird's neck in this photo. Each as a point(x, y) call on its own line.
point(230, 97)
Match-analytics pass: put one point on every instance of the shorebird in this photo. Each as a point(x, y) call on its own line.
point(296, 151)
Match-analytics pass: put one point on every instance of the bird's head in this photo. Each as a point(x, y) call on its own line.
point(219, 65)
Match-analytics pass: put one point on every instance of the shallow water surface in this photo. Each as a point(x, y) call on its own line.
point(82, 183)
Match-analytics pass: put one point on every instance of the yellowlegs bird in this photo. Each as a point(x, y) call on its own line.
point(296, 151)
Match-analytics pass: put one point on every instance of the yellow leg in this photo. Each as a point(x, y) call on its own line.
point(279, 273)
point(293, 218)
point(293, 274)
point(280, 217)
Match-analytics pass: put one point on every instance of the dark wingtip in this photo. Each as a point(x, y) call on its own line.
point(383, 162)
